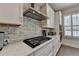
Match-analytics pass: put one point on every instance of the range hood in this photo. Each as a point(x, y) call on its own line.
point(32, 13)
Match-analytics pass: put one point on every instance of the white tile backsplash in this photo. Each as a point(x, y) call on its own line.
point(30, 28)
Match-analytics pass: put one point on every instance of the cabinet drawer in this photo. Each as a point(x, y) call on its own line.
point(44, 51)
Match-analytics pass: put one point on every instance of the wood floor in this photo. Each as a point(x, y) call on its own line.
point(68, 51)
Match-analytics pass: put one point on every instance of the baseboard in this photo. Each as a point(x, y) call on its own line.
point(71, 43)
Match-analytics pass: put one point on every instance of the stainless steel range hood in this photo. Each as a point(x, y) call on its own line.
point(32, 13)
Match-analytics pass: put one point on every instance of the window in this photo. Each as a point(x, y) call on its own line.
point(71, 25)
point(75, 21)
point(67, 25)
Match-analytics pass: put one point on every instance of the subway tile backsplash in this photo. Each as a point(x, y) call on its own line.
point(30, 28)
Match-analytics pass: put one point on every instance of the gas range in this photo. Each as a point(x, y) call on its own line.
point(36, 41)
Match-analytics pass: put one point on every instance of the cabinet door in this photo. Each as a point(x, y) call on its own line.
point(9, 13)
point(52, 19)
point(21, 13)
point(47, 10)
point(50, 14)
point(57, 44)
point(56, 47)
point(44, 51)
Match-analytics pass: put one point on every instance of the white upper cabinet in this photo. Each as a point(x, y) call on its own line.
point(47, 10)
point(11, 13)
point(50, 14)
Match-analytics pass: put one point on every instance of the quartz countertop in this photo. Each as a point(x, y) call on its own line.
point(15, 49)
point(21, 49)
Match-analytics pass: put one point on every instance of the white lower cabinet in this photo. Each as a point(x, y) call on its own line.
point(56, 45)
point(56, 48)
point(45, 50)
point(49, 49)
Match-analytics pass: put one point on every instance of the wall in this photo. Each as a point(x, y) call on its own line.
point(30, 28)
point(71, 43)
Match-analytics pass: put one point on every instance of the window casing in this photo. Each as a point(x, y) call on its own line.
point(71, 25)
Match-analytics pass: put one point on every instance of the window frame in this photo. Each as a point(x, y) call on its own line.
point(65, 36)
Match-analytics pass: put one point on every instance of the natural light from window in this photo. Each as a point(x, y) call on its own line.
point(71, 25)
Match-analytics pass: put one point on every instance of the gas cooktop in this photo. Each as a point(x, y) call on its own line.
point(33, 42)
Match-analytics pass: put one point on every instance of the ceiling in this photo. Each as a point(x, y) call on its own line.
point(60, 6)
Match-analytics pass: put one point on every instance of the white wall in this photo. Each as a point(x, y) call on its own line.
point(71, 43)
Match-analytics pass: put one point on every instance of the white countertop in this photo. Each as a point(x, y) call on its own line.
point(20, 49)
point(16, 49)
